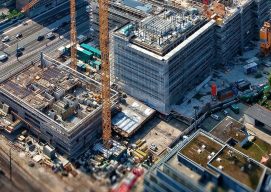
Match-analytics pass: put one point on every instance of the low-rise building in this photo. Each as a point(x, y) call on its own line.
point(216, 161)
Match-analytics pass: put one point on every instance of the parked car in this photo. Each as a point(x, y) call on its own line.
point(3, 57)
point(6, 39)
point(235, 108)
point(215, 117)
point(225, 112)
point(54, 29)
point(20, 49)
point(19, 53)
point(19, 35)
point(40, 38)
point(50, 35)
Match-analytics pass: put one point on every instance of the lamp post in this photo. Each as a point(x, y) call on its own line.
point(196, 108)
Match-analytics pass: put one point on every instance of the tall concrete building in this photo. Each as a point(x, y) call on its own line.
point(160, 58)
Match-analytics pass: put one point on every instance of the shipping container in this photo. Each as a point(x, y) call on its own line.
point(96, 52)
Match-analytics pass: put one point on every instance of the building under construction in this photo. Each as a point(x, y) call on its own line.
point(165, 54)
point(60, 106)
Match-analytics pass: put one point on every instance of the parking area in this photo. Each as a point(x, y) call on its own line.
point(209, 123)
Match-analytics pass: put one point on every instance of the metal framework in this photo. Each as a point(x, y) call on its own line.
point(73, 28)
point(73, 34)
point(104, 46)
point(29, 6)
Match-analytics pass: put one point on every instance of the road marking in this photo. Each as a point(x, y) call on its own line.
point(6, 44)
point(16, 27)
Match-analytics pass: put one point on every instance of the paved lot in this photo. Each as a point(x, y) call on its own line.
point(209, 123)
point(160, 133)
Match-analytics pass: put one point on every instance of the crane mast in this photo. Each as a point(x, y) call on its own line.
point(29, 6)
point(73, 34)
point(104, 47)
point(73, 39)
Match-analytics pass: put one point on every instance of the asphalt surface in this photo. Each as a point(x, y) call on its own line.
point(33, 48)
point(7, 185)
point(20, 179)
point(34, 29)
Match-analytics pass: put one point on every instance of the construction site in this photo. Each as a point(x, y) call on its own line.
point(93, 109)
point(167, 53)
point(60, 105)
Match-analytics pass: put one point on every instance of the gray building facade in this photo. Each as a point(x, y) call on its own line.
point(161, 79)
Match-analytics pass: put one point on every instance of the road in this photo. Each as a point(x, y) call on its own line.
point(34, 29)
point(34, 47)
point(20, 178)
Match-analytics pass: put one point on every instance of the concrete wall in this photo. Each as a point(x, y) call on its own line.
point(161, 84)
point(249, 120)
point(252, 121)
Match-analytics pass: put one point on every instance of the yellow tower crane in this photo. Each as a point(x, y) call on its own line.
point(72, 32)
point(104, 47)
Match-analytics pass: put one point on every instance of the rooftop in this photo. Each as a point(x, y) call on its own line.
point(131, 117)
point(235, 134)
point(161, 32)
point(61, 95)
point(239, 167)
point(201, 149)
point(260, 113)
point(229, 128)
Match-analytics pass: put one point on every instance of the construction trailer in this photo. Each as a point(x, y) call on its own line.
point(62, 106)
point(167, 54)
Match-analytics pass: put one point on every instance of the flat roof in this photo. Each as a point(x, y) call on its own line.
point(259, 113)
point(201, 149)
point(229, 128)
point(133, 115)
point(257, 149)
point(239, 167)
point(191, 175)
point(56, 92)
point(90, 48)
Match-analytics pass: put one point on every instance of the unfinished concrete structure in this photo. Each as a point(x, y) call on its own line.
point(61, 106)
point(122, 12)
point(158, 59)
